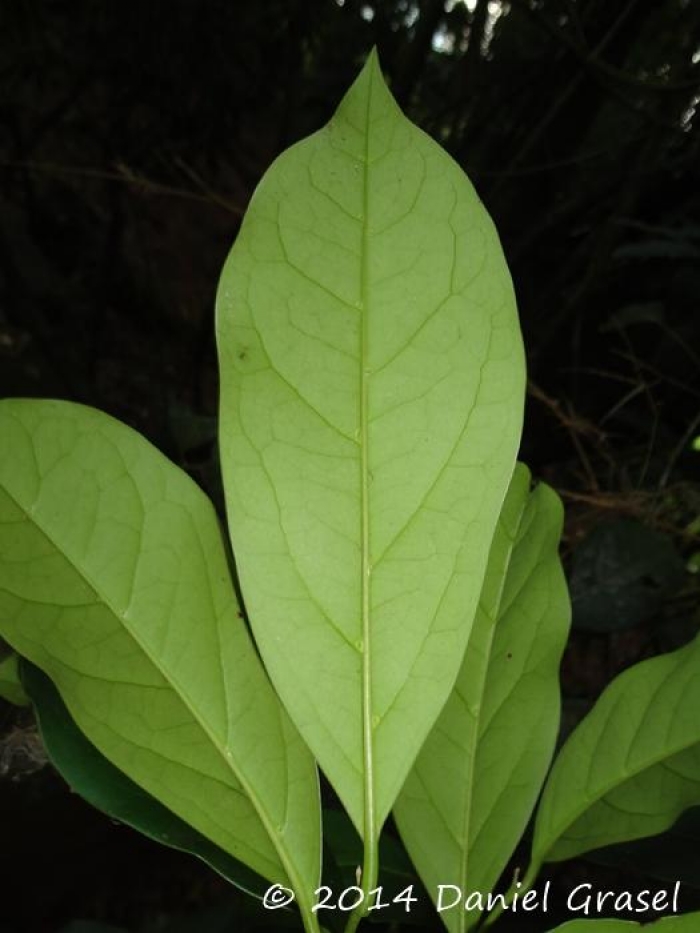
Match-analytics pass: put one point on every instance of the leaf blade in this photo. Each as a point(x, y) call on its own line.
point(460, 812)
point(100, 783)
point(355, 411)
point(113, 580)
point(631, 766)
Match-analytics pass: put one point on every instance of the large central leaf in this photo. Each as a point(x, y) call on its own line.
point(372, 386)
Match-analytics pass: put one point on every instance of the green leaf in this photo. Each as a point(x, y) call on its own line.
point(372, 390)
point(685, 923)
point(473, 787)
point(631, 766)
point(91, 775)
point(10, 684)
point(114, 581)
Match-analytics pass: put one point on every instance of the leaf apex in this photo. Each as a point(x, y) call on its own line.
point(368, 90)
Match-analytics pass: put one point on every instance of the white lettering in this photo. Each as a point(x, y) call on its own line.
point(474, 901)
point(585, 905)
point(441, 889)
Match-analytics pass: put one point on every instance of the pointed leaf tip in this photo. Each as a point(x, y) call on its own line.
point(367, 104)
point(373, 59)
point(369, 93)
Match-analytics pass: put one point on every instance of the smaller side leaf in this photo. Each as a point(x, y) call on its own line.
point(10, 684)
point(631, 766)
point(114, 581)
point(471, 792)
point(685, 923)
point(90, 774)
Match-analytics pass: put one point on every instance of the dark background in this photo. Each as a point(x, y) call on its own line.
point(131, 138)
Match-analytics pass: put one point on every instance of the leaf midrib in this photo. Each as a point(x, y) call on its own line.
point(369, 815)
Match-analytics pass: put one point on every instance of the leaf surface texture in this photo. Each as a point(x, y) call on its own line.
point(114, 581)
point(90, 774)
point(372, 386)
point(631, 766)
point(467, 799)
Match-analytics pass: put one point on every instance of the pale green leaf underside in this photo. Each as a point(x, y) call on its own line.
point(467, 799)
point(631, 766)
point(114, 581)
point(686, 923)
point(372, 386)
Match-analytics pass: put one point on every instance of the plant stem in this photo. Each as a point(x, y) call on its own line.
point(370, 872)
point(310, 921)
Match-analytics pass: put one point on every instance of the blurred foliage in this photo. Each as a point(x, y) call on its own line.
point(131, 138)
